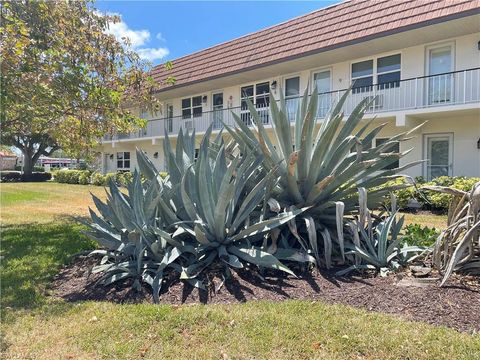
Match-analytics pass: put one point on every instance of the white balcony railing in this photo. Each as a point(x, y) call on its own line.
point(454, 88)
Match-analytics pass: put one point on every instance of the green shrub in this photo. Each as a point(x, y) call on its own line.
point(440, 201)
point(109, 177)
point(84, 178)
point(97, 179)
point(67, 176)
point(123, 178)
point(16, 176)
point(73, 176)
point(418, 235)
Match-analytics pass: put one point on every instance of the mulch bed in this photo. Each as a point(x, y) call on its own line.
point(456, 305)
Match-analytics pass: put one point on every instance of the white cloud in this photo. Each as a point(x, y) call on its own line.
point(138, 39)
point(153, 54)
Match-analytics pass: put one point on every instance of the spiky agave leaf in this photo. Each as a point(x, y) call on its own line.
point(223, 212)
point(321, 165)
point(378, 245)
point(127, 230)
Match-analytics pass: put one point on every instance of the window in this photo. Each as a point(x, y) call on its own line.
point(169, 122)
point(388, 72)
point(385, 71)
point(322, 81)
point(395, 148)
point(292, 87)
point(192, 106)
point(259, 95)
point(292, 92)
point(440, 81)
point(362, 76)
point(123, 160)
point(262, 92)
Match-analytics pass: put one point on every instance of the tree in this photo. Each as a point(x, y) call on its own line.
point(65, 82)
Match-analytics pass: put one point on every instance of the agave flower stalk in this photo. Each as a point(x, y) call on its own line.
point(458, 246)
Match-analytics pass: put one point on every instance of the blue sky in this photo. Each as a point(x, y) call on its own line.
point(165, 30)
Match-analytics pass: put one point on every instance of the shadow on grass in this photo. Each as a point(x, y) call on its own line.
point(31, 255)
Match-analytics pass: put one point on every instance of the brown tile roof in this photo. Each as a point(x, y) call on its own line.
point(325, 28)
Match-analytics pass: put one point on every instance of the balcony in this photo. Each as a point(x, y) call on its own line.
point(453, 88)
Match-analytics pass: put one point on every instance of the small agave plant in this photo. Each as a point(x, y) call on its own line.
point(321, 165)
point(376, 242)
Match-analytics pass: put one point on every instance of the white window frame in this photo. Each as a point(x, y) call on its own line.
point(263, 111)
point(255, 95)
point(440, 45)
point(123, 160)
point(450, 151)
point(284, 82)
point(428, 49)
point(319, 70)
point(191, 107)
point(375, 66)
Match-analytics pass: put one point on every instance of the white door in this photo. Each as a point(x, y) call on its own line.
point(322, 80)
point(439, 155)
point(217, 106)
point(440, 81)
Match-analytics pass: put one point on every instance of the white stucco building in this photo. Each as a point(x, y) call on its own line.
point(420, 59)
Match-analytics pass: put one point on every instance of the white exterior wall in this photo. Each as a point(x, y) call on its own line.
point(462, 121)
point(413, 64)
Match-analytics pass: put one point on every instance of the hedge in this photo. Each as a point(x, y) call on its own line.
point(430, 200)
point(86, 177)
point(16, 176)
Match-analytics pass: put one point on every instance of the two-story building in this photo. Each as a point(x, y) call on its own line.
point(420, 59)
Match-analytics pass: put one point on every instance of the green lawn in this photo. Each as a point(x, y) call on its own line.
point(39, 235)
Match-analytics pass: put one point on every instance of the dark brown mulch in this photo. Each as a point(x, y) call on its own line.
point(456, 305)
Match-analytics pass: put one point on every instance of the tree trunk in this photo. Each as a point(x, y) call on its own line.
point(28, 162)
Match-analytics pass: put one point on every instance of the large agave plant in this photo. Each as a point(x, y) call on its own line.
point(225, 221)
point(321, 165)
point(133, 246)
point(209, 210)
point(458, 246)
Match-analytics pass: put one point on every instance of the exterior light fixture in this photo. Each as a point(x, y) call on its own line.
point(273, 85)
point(111, 156)
point(478, 144)
point(478, 45)
point(155, 155)
point(204, 99)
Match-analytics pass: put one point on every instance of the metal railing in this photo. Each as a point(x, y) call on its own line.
point(452, 88)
